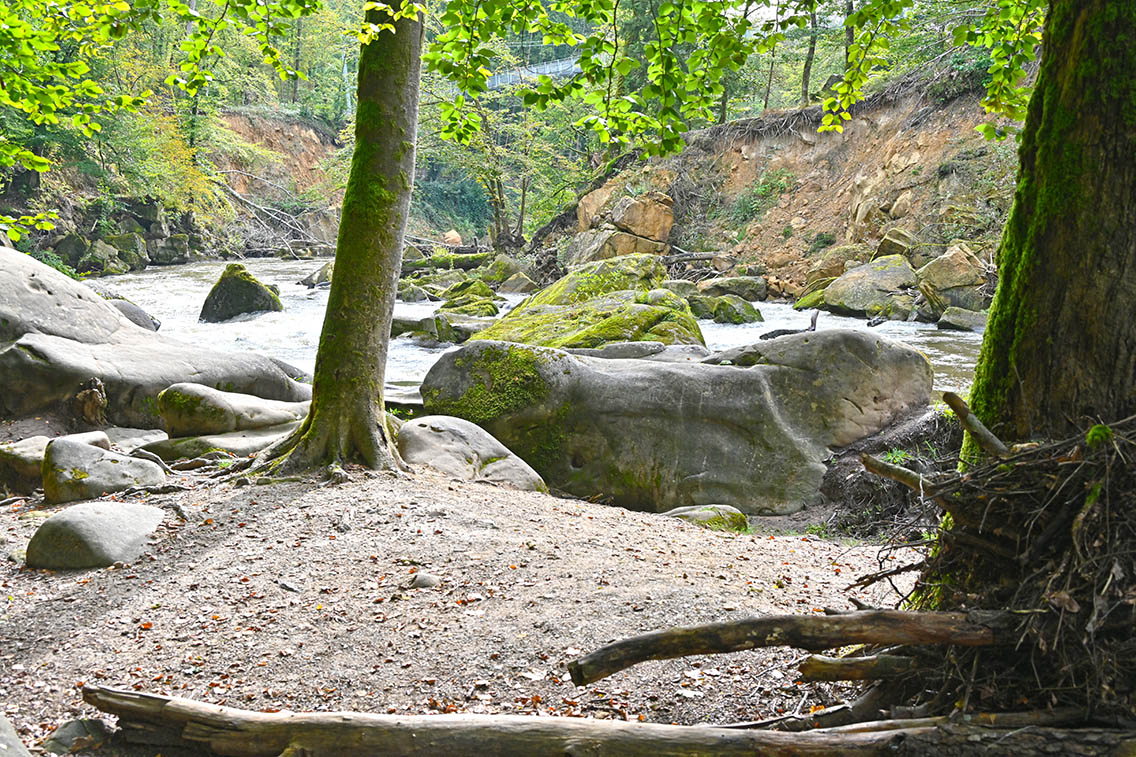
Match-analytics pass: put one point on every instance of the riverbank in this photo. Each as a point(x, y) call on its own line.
point(296, 596)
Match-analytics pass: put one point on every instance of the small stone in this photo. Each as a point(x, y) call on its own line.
point(424, 581)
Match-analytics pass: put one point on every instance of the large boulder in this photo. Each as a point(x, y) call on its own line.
point(649, 215)
point(961, 319)
point(832, 262)
point(518, 283)
point(881, 287)
point(623, 316)
point(750, 288)
point(636, 272)
point(101, 258)
point(655, 435)
point(131, 249)
point(238, 292)
point(466, 451)
point(193, 409)
point(21, 462)
point(952, 280)
point(727, 308)
point(93, 535)
point(56, 334)
point(167, 250)
point(608, 242)
point(498, 270)
point(74, 470)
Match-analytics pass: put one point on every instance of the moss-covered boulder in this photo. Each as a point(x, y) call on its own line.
point(408, 292)
point(74, 470)
point(713, 517)
point(131, 249)
point(238, 292)
point(634, 272)
point(613, 317)
point(659, 435)
point(469, 287)
point(881, 287)
point(471, 304)
point(730, 308)
point(499, 270)
point(681, 287)
point(101, 259)
point(813, 299)
point(192, 409)
point(727, 308)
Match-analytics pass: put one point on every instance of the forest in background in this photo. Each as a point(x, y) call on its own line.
point(515, 174)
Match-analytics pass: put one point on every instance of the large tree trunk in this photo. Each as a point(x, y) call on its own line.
point(1060, 347)
point(347, 420)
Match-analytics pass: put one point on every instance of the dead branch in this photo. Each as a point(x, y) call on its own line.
point(809, 632)
point(875, 667)
point(989, 443)
point(229, 731)
point(908, 478)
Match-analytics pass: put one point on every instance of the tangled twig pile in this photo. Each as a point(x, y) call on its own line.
point(1047, 532)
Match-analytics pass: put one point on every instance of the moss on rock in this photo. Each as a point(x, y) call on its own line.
point(236, 292)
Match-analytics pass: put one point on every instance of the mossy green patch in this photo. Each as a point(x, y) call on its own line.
point(627, 272)
point(501, 381)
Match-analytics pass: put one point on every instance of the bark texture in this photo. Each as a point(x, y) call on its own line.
point(347, 420)
point(1060, 347)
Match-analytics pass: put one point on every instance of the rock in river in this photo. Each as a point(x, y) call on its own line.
point(56, 334)
point(238, 292)
point(655, 436)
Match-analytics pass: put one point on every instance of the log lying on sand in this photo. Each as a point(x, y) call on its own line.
point(811, 632)
point(241, 733)
point(161, 720)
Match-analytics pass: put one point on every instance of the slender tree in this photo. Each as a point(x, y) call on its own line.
point(347, 420)
point(810, 54)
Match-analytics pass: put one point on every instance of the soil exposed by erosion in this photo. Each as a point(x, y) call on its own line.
point(296, 596)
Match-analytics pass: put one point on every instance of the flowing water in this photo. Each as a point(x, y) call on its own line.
point(174, 295)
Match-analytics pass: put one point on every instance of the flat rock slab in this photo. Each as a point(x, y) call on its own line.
point(464, 450)
point(238, 443)
point(194, 410)
point(93, 535)
point(129, 439)
point(73, 470)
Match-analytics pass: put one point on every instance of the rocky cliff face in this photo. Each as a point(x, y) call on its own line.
point(773, 191)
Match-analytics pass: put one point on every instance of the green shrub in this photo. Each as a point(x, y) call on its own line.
point(760, 196)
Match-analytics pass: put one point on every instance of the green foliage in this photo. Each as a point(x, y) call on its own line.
point(822, 240)
point(760, 196)
point(1098, 435)
point(49, 258)
point(896, 456)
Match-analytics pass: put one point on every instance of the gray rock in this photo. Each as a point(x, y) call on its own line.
point(896, 241)
point(749, 288)
point(136, 315)
point(193, 410)
point(238, 443)
point(320, 276)
point(621, 350)
point(960, 319)
point(713, 517)
point(655, 435)
point(463, 450)
point(131, 249)
point(93, 535)
point(954, 279)
point(681, 287)
point(238, 292)
point(129, 439)
point(424, 581)
point(73, 470)
point(21, 462)
point(410, 293)
point(101, 258)
point(173, 250)
point(10, 744)
point(518, 283)
point(878, 288)
point(56, 334)
point(72, 248)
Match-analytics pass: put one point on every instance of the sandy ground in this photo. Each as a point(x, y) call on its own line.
point(296, 596)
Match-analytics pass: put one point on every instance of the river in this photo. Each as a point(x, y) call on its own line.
point(174, 294)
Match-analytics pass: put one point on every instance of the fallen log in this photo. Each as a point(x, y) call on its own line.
point(447, 260)
point(871, 668)
point(811, 632)
point(985, 438)
point(241, 733)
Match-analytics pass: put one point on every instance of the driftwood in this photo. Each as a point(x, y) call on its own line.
point(872, 668)
point(989, 443)
point(465, 262)
point(155, 719)
point(161, 720)
point(811, 632)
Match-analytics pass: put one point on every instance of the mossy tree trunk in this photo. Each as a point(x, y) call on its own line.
point(1060, 347)
point(347, 420)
